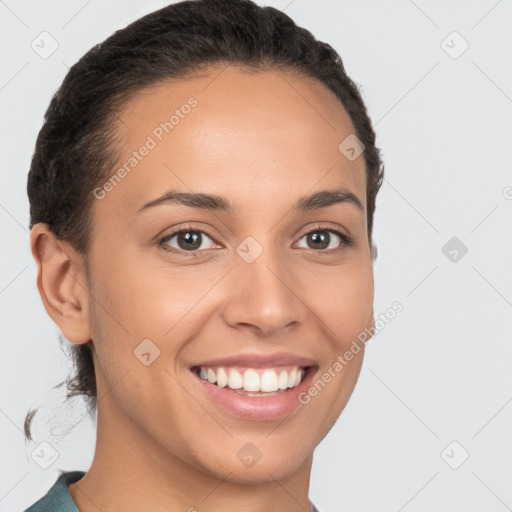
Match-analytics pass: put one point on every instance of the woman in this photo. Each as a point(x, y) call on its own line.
point(202, 196)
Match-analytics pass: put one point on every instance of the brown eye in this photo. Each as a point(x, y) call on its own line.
point(319, 239)
point(322, 239)
point(187, 240)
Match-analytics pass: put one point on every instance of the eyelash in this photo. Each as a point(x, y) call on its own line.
point(347, 241)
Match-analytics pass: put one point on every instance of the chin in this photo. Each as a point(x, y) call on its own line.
point(249, 462)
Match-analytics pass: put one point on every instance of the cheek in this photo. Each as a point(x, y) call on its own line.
point(147, 309)
point(146, 301)
point(132, 311)
point(344, 301)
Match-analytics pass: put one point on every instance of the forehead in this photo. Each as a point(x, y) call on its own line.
point(253, 136)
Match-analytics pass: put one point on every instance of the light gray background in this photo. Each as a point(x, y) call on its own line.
point(441, 370)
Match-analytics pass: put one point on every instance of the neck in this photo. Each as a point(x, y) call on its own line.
point(130, 471)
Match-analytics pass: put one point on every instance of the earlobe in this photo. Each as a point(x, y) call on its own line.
point(61, 283)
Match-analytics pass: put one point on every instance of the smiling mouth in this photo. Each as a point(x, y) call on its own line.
point(254, 382)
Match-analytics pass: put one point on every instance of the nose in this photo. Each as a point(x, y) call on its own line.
point(264, 296)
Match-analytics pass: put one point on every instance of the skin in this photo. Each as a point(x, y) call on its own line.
point(261, 140)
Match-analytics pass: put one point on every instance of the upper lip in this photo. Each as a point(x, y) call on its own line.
point(254, 360)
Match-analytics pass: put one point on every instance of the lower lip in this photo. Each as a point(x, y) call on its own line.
point(258, 407)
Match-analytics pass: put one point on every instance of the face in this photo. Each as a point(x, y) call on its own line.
point(193, 297)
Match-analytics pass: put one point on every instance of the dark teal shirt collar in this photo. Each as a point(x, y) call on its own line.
point(58, 499)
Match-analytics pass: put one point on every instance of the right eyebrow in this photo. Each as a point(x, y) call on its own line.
point(195, 200)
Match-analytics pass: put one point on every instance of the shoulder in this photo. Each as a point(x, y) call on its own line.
point(58, 499)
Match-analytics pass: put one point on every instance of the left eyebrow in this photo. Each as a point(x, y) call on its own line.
point(203, 201)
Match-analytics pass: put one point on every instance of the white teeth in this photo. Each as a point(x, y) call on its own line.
point(283, 380)
point(251, 381)
point(269, 381)
point(222, 378)
point(212, 377)
point(291, 378)
point(235, 380)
